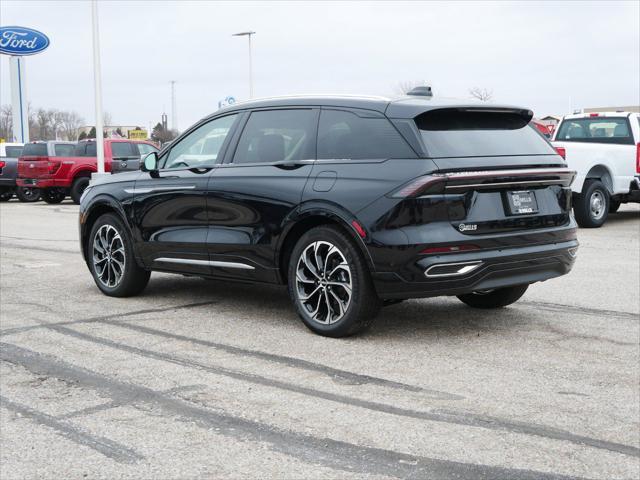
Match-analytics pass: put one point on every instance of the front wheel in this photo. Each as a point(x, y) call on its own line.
point(330, 284)
point(111, 259)
point(53, 195)
point(28, 194)
point(592, 204)
point(498, 298)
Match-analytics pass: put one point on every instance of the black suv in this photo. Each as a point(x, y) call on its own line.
point(353, 202)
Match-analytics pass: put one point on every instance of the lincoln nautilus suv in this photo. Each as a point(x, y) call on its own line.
point(352, 202)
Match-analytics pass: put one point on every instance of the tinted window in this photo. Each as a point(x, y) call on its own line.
point(35, 149)
point(202, 146)
point(64, 149)
point(345, 135)
point(91, 150)
point(480, 133)
point(13, 152)
point(596, 130)
point(277, 135)
point(123, 149)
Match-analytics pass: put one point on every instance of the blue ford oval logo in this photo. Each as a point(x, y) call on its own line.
point(22, 41)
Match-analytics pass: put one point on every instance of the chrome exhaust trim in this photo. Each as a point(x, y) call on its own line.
point(460, 268)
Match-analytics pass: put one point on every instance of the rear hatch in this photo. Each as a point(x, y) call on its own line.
point(496, 172)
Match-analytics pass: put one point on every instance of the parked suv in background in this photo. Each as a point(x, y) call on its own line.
point(352, 202)
point(70, 174)
point(604, 149)
point(9, 153)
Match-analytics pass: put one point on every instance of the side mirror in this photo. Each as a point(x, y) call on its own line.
point(150, 163)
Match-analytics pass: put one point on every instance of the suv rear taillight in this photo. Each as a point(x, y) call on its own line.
point(2, 164)
point(53, 166)
point(638, 158)
point(562, 152)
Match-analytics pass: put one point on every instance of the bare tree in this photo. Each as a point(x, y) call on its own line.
point(6, 122)
point(482, 94)
point(106, 119)
point(405, 86)
point(68, 124)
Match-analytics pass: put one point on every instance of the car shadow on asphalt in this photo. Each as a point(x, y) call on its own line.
point(271, 305)
point(622, 217)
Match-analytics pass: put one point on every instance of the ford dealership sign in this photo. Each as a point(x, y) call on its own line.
point(22, 41)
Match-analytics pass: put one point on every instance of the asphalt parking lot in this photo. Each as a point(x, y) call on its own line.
point(197, 378)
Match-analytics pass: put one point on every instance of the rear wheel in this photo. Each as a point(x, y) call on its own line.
point(592, 205)
point(53, 195)
point(28, 194)
point(78, 187)
point(111, 259)
point(498, 298)
point(330, 284)
point(5, 195)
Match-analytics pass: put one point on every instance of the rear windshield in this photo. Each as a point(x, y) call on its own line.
point(35, 149)
point(85, 149)
point(596, 130)
point(64, 149)
point(13, 152)
point(480, 133)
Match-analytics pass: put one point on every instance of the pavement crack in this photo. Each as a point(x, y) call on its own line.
point(313, 450)
point(106, 447)
point(442, 416)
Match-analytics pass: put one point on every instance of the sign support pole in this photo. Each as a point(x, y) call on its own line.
point(19, 105)
point(97, 87)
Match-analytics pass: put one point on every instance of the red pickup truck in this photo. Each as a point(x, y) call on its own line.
point(57, 177)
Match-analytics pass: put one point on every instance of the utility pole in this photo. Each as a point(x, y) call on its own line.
point(174, 114)
point(248, 34)
point(97, 86)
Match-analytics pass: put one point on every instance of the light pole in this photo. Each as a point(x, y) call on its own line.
point(97, 86)
point(248, 34)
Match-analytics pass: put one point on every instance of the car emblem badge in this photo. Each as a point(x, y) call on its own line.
point(31, 165)
point(463, 227)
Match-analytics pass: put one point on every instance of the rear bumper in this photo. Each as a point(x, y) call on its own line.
point(487, 269)
point(42, 183)
point(7, 182)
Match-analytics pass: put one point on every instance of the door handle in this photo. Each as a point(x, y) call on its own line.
point(292, 165)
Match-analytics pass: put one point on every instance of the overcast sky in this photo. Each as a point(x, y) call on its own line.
point(550, 56)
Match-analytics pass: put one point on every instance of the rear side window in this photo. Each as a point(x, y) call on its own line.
point(91, 150)
point(35, 149)
point(123, 149)
point(64, 149)
point(13, 152)
point(87, 149)
point(596, 130)
point(345, 135)
point(277, 135)
point(457, 132)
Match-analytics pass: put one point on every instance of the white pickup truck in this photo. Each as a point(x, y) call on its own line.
point(604, 149)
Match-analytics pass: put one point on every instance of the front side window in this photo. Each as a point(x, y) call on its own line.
point(345, 135)
point(64, 149)
point(596, 130)
point(277, 135)
point(201, 147)
point(145, 148)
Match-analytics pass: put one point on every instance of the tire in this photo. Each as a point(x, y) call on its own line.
point(27, 194)
point(614, 205)
point(6, 195)
point(498, 298)
point(79, 185)
point(110, 233)
point(53, 195)
point(592, 205)
point(347, 314)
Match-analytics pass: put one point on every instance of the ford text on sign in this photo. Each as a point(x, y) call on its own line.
point(22, 41)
